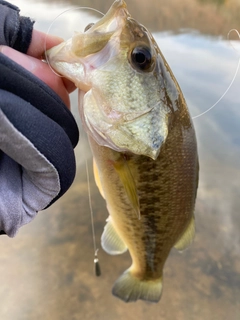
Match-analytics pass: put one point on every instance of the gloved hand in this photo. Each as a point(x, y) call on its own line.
point(37, 131)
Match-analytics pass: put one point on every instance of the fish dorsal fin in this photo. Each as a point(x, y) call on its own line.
point(187, 237)
point(128, 182)
point(97, 178)
point(110, 240)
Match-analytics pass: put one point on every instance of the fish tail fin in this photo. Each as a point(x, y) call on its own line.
point(130, 288)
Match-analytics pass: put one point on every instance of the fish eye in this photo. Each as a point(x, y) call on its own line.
point(141, 59)
point(88, 26)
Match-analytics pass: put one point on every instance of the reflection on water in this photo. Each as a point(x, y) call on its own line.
point(46, 272)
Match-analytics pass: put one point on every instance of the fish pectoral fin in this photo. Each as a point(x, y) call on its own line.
point(111, 241)
point(97, 178)
point(130, 288)
point(129, 184)
point(187, 238)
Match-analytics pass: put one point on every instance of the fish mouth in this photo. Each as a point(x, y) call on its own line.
point(117, 12)
point(87, 51)
point(95, 38)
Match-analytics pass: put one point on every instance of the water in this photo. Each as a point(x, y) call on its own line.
point(47, 271)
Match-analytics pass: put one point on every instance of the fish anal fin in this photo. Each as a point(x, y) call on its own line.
point(130, 288)
point(187, 238)
point(111, 241)
point(128, 182)
point(97, 178)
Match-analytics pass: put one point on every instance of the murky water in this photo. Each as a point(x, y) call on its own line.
point(46, 272)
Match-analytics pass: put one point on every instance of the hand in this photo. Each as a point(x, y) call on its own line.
point(37, 134)
point(33, 63)
point(37, 131)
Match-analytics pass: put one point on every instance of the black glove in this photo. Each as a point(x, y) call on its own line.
point(37, 133)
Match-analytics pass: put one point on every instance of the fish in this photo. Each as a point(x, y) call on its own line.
point(143, 142)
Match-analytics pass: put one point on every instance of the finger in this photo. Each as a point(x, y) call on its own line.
point(41, 42)
point(39, 69)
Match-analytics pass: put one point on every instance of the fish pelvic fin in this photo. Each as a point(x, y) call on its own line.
point(111, 241)
point(129, 288)
point(187, 238)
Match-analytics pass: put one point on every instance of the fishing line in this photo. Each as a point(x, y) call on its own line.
point(97, 268)
point(96, 261)
point(231, 83)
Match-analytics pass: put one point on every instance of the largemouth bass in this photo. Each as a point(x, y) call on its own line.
point(143, 143)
